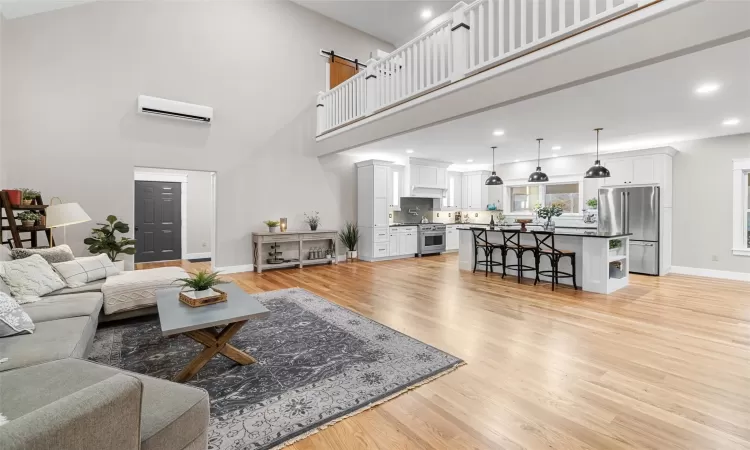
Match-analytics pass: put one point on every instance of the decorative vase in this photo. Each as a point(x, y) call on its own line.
point(120, 265)
point(549, 225)
point(313, 227)
point(14, 196)
point(28, 223)
point(27, 201)
point(273, 229)
point(351, 254)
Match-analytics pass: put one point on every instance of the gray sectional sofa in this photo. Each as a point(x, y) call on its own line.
point(54, 399)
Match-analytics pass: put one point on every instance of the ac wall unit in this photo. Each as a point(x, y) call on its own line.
point(171, 108)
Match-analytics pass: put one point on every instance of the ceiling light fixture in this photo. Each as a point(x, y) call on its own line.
point(469, 160)
point(516, 160)
point(538, 176)
point(731, 122)
point(707, 88)
point(556, 147)
point(409, 151)
point(597, 170)
point(426, 13)
point(493, 180)
point(498, 132)
point(554, 155)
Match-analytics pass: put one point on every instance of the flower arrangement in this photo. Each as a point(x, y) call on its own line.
point(313, 220)
point(548, 212)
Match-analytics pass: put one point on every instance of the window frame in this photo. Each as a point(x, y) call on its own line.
point(740, 206)
point(542, 194)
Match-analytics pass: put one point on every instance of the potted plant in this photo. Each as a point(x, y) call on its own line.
point(28, 196)
point(200, 283)
point(592, 203)
point(548, 212)
point(313, 220)
point(273, 226)
point(103, 240)
point(614, 247)
point(28, 218)
point(349, 236)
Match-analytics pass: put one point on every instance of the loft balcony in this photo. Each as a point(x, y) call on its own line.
point(494, 52)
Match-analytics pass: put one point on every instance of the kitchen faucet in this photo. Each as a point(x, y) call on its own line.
point(414, 212)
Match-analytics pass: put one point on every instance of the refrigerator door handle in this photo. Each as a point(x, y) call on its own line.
point(622, 213)
point(627, 212)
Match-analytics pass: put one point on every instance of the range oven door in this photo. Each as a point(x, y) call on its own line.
point(431, 242)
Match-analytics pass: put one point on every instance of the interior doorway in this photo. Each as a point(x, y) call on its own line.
point(174, 215)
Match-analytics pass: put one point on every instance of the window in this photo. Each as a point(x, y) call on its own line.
point(524, 198)
point(567, 194)
point(741, 202)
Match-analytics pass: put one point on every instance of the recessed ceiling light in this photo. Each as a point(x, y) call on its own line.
point(730, 122)
point(556, 147)
point(516, 160)
point(707, 88)
point(426, 13)
point(498, 132)
point(469, 160)
point(554, 155)
point(409, 151)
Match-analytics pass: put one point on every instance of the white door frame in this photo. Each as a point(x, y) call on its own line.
point(167, 177)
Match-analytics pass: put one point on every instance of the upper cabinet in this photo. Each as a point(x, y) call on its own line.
point(427, 178)
point(372, 193)
point(652, 166)
point(474, 193)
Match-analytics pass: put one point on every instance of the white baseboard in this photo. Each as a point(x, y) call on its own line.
point(197, 255)
point(723, 274)
point(235, 269)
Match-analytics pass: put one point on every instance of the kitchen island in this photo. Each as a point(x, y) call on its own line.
point(599, 269)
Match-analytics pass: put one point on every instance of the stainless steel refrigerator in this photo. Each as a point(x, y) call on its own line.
point(633, 210)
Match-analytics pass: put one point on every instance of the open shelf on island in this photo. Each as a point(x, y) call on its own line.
point(613, 258)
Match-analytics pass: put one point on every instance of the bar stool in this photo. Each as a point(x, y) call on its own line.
point(481, 241)
point(512, 242)
point(545, 241)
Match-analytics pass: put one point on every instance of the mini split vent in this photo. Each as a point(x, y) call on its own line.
point(177, 110)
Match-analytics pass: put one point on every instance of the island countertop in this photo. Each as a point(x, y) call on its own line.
point(593, 233)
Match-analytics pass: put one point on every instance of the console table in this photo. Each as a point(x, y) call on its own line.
point(301, 238)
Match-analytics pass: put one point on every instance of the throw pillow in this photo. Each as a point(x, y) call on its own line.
point(13, 319)
point(30, 278)
point(58, 254)
point(80, 271)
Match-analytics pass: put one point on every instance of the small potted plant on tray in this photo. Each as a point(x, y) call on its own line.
point(313, 220)
point(28, 218)
point(28, 196)
point(103, 240)
point(349, 236)
point(273, 226)
point(200, 288)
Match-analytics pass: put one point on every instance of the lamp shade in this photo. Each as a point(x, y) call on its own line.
point(63, 214)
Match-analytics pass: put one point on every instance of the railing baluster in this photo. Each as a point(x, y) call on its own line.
point(592, 8)
point(446, 52)
point(561, 15)
point(402, 75)
point(480, 36)
point(472, 39)
point(548, 18)
point(523, 23)
point(610, 5)
point(576, 11)
point(392, 88)
point(512, 25)
point(491, 29)
point(501, 28)
point(422, 64)
point(535, 20)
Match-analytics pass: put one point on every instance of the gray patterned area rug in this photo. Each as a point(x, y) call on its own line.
point(317, 363)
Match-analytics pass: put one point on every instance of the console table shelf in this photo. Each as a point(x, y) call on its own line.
point(295, 237)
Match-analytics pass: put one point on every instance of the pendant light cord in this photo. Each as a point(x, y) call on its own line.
point(539, 151)
point(493, 159)
point(597, 141)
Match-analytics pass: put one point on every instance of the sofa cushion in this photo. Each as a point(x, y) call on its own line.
point(64, 306)
point(53, 340)
point(29, 278)
point(80, 271)
point(13, 319)
point(94, 286)
point(172, 415)
point(57, 254)
point(137, 289)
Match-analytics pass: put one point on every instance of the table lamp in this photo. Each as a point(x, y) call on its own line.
point(64, 214)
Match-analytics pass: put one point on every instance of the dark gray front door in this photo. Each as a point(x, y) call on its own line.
point(158, 226)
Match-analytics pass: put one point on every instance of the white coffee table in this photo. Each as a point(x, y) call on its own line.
point(212, 325)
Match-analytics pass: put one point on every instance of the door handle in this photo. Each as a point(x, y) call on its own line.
point(136, 228)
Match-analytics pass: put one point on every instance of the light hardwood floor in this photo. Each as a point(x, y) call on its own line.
point(663, 364)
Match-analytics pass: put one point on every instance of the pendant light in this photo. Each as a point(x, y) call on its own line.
point(493, 180)
point(538, 176)
point(597, 170)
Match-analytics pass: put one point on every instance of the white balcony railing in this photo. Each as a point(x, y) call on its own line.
point(477, 36)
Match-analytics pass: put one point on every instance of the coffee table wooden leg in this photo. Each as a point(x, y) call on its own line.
point(215, 343)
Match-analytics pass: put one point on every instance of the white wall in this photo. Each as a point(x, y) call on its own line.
point(702, 172)
point(72, 76)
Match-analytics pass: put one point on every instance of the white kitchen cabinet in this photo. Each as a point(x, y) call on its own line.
point(427, 175)
point(451, 237)
point(647, 167)
point(393, 242)
point(373, 209)
point(475, 194)
point(408, 246)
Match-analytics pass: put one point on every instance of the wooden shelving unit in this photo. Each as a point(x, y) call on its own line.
point(8, 223)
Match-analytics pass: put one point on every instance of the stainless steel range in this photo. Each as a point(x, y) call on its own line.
point(431, 238)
